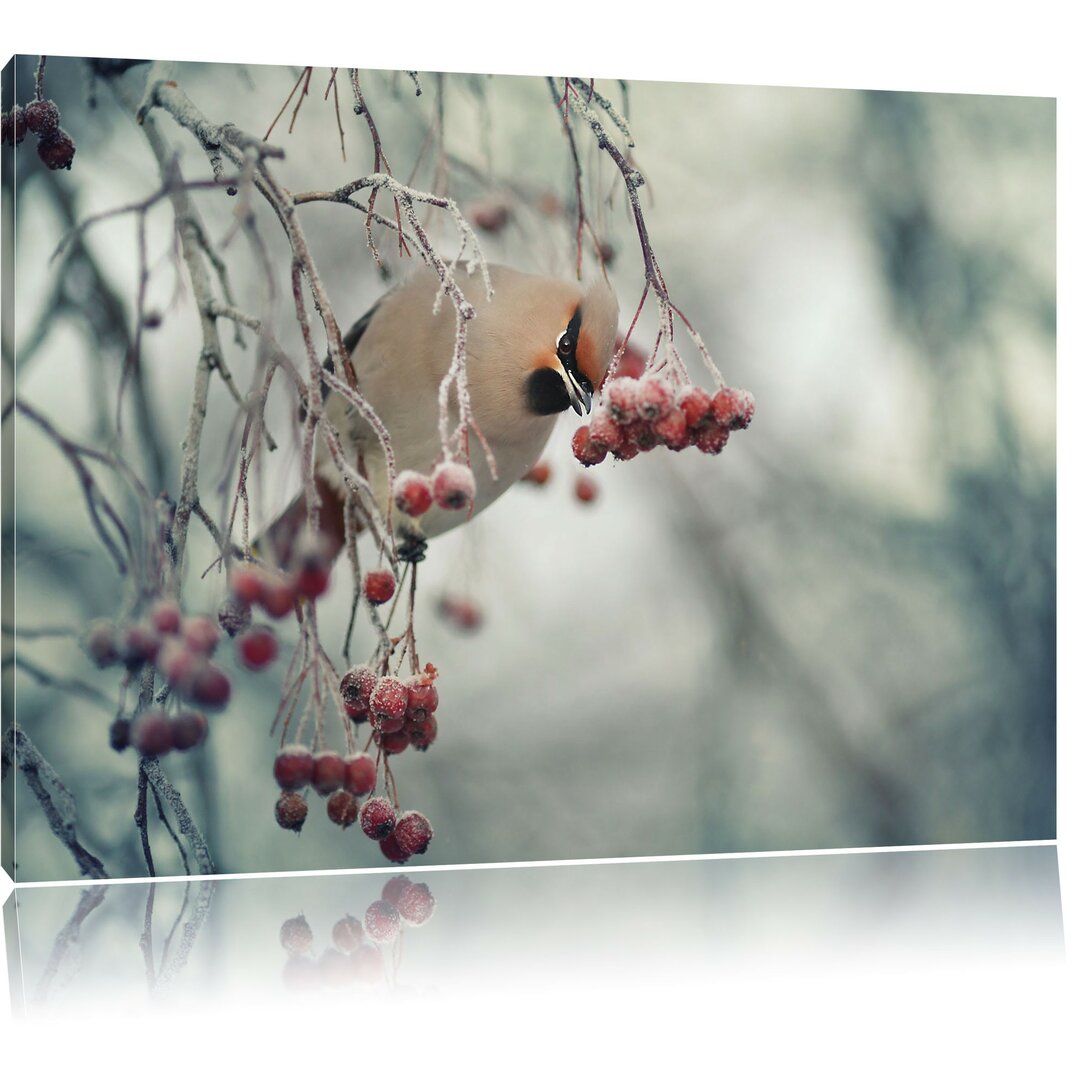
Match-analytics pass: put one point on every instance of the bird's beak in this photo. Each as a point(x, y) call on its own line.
point(580, 398)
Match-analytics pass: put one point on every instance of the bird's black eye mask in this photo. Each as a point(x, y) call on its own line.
point(566, 350)
point(546, 390)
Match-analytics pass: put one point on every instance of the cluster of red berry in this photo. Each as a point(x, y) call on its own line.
point(355, 952)
point(451, 486)
point(55, 146)
point(637, 415)
point(401, 711)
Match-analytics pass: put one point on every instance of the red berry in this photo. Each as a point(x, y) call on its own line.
point(654, 398)
point(234, 615)
point(177, 662)
point(622, 399)
point(627, 450)
point(246, 583)
point(342, 809)
point(711, 440)
point(672, 430)
point(423, 698)
point(57, 150)
point(200, 634)
point(394, 888)
point(379, 586)
point(296, 936)
point(413, 832)
point(100, 643)
point(312, 576)
point(454, 485)
point(412, 493)
point(257, 647)
point(642, 434)
point(604, 431)
point(328, 772)
point(389, 700)
point(42, 117)
point(393, 742)
point(539, 474)
point(294, 767)
point(277, 598)
point(492, 215)
point(165, 617)
point(210, 686)
point(377, 818)
point(585, 490)
point(695, 404)
point(462, 613)
point(392, 849)
point(733, 408)
point(141, 643)
point(291, 810)
point(422, 732)
point(151, 733)
point(585, 450)
point(382, 922)
point(356, 686)
point(416, 904)
point(348, 934)
point(360, 774)
point(189, 729)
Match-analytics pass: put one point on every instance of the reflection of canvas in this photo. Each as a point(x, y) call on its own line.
point(838, 631)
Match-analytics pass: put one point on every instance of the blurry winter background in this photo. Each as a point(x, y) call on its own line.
point(841, 632)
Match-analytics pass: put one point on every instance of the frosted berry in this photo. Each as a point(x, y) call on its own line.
point(733, 408)
point(423, 698)
point(672, 430)
point(389, 700)
point(382, 922)
point(622, 399)
point(18, 123)
point(539, 474)
point(257, 647)
point(140, 644)
point(277, 598)
point(695, 404)
point(177, 662)
point(296, 936)
point(42, 117)
point(293, 767)
point(328, 772)
point(165, 617)
point(348, 934)
point(627, 450)
point(311, 578)
point(585, 490)
point(100, 643)
point(360, 774)
point(377, 818)
point(585, 450)
point(246, 583)
point(189, 729)
point(200, 634)
point(454, 485)
point(422, 732)
point(604, 431)
point(389, 846)
point(57, 150)
point(711, 440)
point(342, 809)
point(412, 493)
point(234, 615)
point(393, 742)
point(291, 810)
point(642, 434)
point(413, 833)
point(416, 904)
point(210, 686)
point(653, 398)
point(379, 586)
point(120, 734)
point(394, 888)
point(356, 686)
point(151, 733)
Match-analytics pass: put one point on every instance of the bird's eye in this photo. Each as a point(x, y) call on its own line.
point(563, 345)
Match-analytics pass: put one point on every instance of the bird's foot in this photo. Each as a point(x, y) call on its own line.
point(412, 546)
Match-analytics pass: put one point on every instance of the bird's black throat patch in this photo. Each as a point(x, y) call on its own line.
point(545, 392)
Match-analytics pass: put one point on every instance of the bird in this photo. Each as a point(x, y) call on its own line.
point(539, 347)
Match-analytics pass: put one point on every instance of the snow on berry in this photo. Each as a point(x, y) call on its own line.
point(356, 686)
point(604, 430)
point(382, 922)
point(189, 729)
point(412, 493)
point(389, 846)
point(585, 450)
point(328, 772)
point(711, 440)
point(151, 734)
point(622, 398)
point(653, 398)
point(379, 586)
point(422, 732)
point(733, 408)
point(695, 405)
point(392, 891)
point(291, 810)
point(348, 934)
point(413, 832)
point(257, 647)
point(454, 485)
point(415, 904)
point(293, 767)
point(377, 817)
point(57, 149)
point(360, 774)
point(389, 700)
point(42, 117)
point(342, 809)
point(642, 435)
point(423, 698)
point(672, 430)
point(296, 936)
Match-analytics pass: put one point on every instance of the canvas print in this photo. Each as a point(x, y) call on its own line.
point(408, 467)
